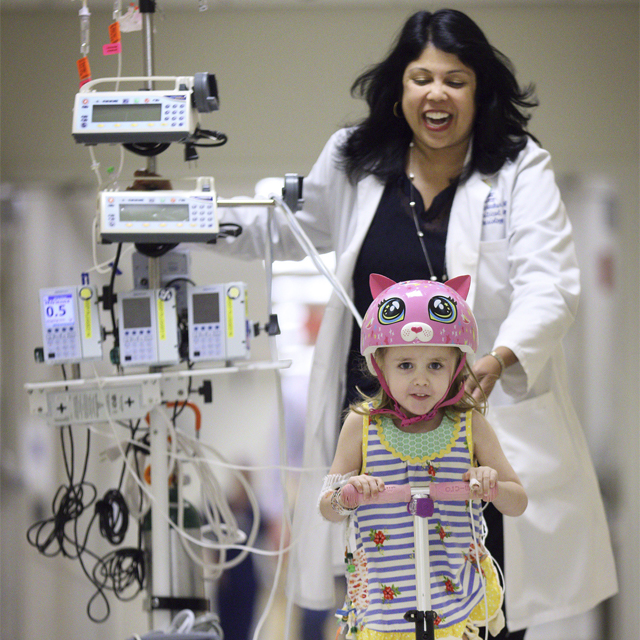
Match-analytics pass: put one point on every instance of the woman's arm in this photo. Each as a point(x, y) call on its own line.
point(324, 191)
point(542, 269)
point(495, 470)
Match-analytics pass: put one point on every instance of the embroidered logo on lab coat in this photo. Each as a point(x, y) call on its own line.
point(494, 217)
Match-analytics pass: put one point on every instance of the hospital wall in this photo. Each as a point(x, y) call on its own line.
point(284, 76)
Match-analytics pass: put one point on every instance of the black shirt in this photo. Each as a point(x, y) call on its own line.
point(392, 248)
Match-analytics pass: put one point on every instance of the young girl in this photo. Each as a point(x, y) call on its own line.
point(421, 427)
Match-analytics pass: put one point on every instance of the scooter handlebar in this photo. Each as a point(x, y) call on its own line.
point(350, 497)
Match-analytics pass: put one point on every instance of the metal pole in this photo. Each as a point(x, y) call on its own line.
point(147, 9)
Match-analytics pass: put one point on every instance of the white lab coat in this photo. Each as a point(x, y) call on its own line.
point(510, 233)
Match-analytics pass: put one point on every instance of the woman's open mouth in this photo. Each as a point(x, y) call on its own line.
point(436, 120)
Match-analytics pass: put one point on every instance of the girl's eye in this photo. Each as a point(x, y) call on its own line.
point(405, 365)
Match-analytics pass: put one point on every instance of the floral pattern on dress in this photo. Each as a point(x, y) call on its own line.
point(472, 557)
point(358, 581)
point(378, 537)
point(443, 532)
point(449, 585)
point(389, 592)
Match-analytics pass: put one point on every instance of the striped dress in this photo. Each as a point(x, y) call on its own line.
point(381, 570)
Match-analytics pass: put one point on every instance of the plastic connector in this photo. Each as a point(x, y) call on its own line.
point(206, 391)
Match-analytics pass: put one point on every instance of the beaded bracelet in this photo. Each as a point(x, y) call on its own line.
point(337, 507)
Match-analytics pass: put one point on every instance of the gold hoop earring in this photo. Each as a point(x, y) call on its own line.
point(395, 111)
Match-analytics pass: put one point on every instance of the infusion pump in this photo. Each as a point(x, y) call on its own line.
point(141, 115)
point(218, 328)
point(70, 324)
point(149, 322)
point(160, 216)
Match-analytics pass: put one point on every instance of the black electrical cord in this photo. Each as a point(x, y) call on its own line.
point(216, 137)
point(111, 303)
point(113, 516)
point(120, 571)
point(229, 230)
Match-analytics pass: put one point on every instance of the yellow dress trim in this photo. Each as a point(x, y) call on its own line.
point(417, 460)
point(365, 442)
point(469, 422)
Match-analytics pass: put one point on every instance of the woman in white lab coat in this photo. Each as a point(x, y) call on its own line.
point(438, 104)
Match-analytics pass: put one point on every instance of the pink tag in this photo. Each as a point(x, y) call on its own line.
point(111, 48)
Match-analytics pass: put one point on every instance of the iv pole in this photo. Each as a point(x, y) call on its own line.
point(160, 541)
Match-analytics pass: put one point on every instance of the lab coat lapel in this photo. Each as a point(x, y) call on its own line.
point(465, 228)
point(369, 192)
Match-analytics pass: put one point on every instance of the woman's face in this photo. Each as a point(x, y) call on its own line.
point(438, 101)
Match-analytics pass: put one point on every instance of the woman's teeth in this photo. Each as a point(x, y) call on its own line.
point(437, 118)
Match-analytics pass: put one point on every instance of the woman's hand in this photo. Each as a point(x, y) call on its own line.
point(487, 371)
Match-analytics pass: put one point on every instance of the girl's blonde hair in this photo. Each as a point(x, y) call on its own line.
point(381, 399)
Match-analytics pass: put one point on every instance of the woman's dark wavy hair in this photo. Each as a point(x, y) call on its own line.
point(378, 144)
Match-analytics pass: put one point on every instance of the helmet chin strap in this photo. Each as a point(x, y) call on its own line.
point(399, 413)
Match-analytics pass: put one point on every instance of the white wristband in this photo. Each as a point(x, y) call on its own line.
point(334, 481)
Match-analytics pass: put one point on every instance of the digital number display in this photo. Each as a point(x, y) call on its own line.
point(59, 310)
point(154, 213)
point(206, 308)
point(127, 112)
point(136, 313)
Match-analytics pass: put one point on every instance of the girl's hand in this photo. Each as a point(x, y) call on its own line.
point(487, 479)
point(368, 486)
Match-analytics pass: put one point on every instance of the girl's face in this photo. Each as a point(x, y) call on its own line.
point(438, 101)
point(418, 376)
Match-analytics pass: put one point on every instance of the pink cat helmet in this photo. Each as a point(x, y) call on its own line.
point(418, 312)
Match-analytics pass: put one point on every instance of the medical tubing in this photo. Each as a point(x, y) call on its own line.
point(202, 543)
point(311, 251)
point(282, 443)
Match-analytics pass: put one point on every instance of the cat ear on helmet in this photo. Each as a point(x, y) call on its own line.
point(461, 284)
point(378, 284)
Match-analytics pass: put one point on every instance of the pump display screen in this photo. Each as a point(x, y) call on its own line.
point(206, 308)
point(58, 310)
point(154, 213)
point(127, 112)
point(136, 313)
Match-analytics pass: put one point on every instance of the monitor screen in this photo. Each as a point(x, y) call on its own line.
point(58, 310)
point(136, 312)
point(206, 308)
point(127, 113)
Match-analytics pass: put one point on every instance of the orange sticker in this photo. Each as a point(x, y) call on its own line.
point(114, 32)
point(83, 69)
